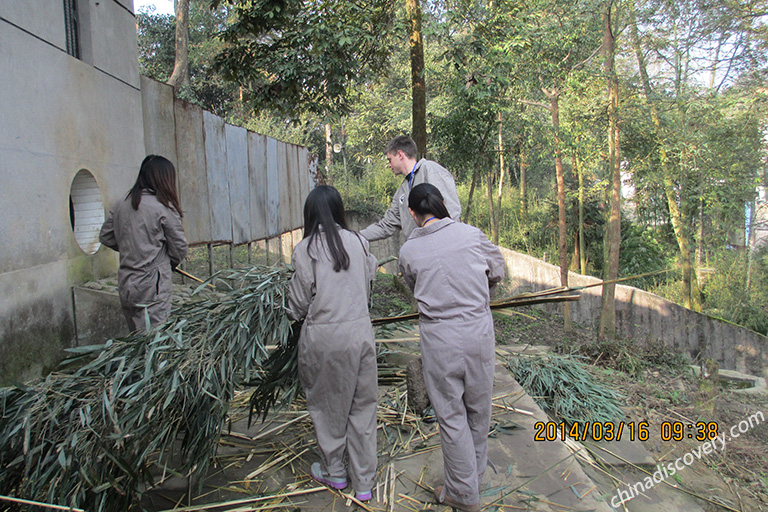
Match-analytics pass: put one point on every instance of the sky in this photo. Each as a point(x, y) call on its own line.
point(161, 6)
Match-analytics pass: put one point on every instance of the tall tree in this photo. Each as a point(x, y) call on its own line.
point(156, 44)
point(567, 38)
point(180, 74)
point(691, 296)
point(418, 79)
point(613, 233)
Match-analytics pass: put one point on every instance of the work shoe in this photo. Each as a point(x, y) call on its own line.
point(443, 499)
point(363, 496)
point(324, 478)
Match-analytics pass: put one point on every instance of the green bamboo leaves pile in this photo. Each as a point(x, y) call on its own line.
point(565, 387)
point(89, 438)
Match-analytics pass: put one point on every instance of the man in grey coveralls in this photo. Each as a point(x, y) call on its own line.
point(401, 154)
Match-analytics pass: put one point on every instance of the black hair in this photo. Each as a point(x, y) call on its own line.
point(158, 175)
point(426, 199)
point(323, 207)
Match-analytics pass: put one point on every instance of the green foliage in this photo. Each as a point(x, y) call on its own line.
point(628, 356)
point(564, 386)
point(368, 194)
point(87, 439)
point(156, 34)
point(726, 294)
point(156, 40)
point(277, 381)
point(303, 56)
point(641, 253)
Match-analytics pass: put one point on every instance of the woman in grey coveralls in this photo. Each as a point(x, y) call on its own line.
point(145, 228)
point(450, 267)
point(337, 357)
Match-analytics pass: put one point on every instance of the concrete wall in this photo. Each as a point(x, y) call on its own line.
point(640, 316)
point(380, 248)
point(236, 186)
point(643, 317)
point(60, 115)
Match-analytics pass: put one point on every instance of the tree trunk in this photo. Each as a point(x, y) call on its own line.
point(613, 235)
point(491, 211)
point(418, 83)
point(691, 297)
point(582, 242)
point(180, 74)
point(328, 147)
point(501, 181)
point(471, 193)
point(523, 191)
point(553, 95)
point(700, 242)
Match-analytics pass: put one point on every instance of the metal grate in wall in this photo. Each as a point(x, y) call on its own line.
point(86, 210)
point(72, 28)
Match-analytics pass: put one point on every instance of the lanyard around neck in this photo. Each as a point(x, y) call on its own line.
point(428, 220)
point(410, 176)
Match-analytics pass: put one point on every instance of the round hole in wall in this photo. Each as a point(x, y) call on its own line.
point(86, 211)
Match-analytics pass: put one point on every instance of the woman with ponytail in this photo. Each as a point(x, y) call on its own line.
point(145, 228)
point(450, 267)
point(330, 289)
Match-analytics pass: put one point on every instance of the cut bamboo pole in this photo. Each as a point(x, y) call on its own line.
point(255, 499)
point(39, 504)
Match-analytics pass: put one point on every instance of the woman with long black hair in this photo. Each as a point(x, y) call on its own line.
point(145, 228)
point(450, 267)
point(330, 289)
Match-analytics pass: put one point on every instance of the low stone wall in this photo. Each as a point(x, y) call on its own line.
point(380, 248)
point(644, 317)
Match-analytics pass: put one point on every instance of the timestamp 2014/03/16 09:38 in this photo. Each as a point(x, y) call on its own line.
point(615, 431)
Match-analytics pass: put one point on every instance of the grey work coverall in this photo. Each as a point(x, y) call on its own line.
point(337, 354)
point(397, 216)
point(449, 266)
point(149, 240)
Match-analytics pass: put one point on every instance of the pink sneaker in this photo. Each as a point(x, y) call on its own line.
point(363, 496)
point(321, 476)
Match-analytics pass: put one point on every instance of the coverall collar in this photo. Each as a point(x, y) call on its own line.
point(431, 227)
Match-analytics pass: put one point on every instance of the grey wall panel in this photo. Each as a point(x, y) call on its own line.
point(191, 168)
point(273, 188)
point(59, 116)
point(159, 123)
point(45, 19)
point(312, 163)
point(108, 37)
point(218, 186)
point(239, 188)
point(295, 173)
point(303, 172)
point(257, 180)
point(285, 187)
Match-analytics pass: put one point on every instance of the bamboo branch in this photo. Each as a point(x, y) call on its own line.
point(38, 504)
point(208, 506)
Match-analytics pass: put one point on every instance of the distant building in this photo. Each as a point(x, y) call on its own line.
point(759, 226)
